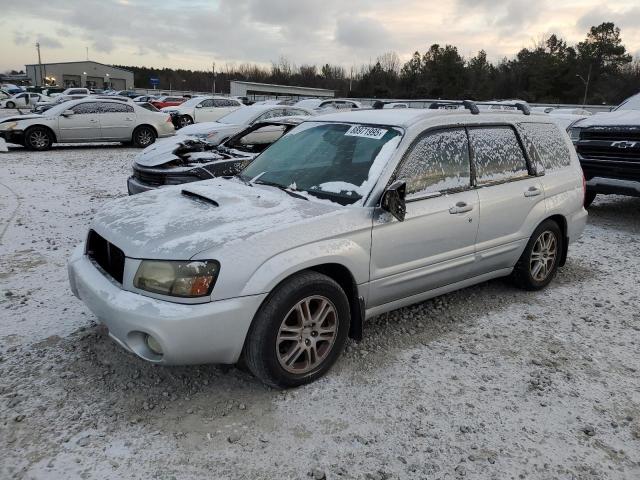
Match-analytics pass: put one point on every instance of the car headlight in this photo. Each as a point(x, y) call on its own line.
point(177, 279)
point(8, 125)
point(574, 133)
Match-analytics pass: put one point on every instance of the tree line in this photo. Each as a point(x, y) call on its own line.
point(549, 72)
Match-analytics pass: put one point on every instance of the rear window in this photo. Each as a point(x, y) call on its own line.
point(497, 155)
point(545, 144)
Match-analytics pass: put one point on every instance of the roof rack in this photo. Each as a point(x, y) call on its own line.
point(473, 106)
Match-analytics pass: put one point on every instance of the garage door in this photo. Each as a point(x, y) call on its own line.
point(95, 82)
point(71, 81)
point(118, 83)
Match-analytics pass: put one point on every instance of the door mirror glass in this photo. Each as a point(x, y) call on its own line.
point(68, 113)
point(200, 105)
point(393, 200)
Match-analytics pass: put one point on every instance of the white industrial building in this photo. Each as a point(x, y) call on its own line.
point(80, 74)
point(253, 90)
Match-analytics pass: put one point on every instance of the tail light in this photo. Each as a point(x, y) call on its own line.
point(169, 121)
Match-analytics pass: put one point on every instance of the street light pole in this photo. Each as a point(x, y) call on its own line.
point(213, 88)
point(586, 84)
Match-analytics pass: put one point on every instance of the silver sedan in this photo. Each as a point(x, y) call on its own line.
point(88, 120)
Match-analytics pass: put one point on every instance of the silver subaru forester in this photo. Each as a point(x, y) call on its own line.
point(347, 216)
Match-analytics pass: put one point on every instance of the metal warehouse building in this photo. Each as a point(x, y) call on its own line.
point(252, 89)
point(80, 74)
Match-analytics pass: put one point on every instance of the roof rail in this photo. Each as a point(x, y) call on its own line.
point(468, 104)
point(473, 106)
point(523, 107)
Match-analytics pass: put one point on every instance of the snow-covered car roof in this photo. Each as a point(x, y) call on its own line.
point(406, 117)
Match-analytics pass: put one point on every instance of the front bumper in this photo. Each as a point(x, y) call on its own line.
point(13, 136)
point(135, 186)
point(211, 332)
point(612, 186)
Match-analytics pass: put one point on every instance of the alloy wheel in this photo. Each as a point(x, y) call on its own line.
point(145, 137)
point(39, 139)
point(307, 334)
point(543, 256)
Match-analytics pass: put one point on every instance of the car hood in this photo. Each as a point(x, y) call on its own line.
point(609, 119)
point(208, 127)
point(20, 117)
point(213, 214)
point(178, 148)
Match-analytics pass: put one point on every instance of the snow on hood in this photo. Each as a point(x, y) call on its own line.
point(206, 128)
point(617, 118)
point(20, 117)
point(163, 151)
point(166, 224)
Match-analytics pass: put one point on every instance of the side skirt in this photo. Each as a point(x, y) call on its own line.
point(421, 297)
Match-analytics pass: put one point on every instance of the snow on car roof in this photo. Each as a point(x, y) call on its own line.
point(405, 117)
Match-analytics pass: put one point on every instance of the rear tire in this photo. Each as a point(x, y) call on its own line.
point(143, 136)
point(589, 197)
point(38, 138)
point(539, 262)
point(299, 332)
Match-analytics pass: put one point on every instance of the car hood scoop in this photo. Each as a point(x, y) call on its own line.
point(178, 222)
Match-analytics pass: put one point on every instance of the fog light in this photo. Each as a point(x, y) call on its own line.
point(153, 345)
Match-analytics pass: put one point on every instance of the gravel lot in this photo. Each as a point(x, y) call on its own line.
point(489, 382)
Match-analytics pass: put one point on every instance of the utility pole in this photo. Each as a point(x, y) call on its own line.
point(87, 49)
point(213, 88)
point(40, 64)
point(586, 84)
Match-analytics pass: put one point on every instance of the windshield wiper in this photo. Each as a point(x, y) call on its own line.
point(280, 187)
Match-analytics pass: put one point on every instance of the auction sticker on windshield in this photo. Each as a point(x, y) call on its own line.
point(367, 132)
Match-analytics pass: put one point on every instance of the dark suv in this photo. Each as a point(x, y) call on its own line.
point(608, 146)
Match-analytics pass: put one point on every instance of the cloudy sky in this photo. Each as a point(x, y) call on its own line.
point(193, 33)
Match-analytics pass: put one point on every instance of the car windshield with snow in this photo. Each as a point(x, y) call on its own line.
point(347, 216)
point(328, 160)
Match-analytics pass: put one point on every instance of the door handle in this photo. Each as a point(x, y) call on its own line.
point(93, 120)
point(460, 207)
point(532, 192)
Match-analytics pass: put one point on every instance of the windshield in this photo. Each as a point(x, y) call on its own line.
point(241, 116)
point(631, 103)
point(340, 162)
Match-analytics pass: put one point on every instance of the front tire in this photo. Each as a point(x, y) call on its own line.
point(539, 262)
point(185, 120)
point(10, 105)
point(38, 138)
point(299, 332)
point(143, 136)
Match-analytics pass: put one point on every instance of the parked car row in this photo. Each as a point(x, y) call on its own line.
point(87, 119)
point(280, 257)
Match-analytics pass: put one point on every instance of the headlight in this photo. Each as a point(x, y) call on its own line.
point(8, 125)
point(574, 133)
point(178, 279)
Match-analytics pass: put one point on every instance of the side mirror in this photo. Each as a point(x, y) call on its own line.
point(199, 105)
point(68, 113)
point(393, 200)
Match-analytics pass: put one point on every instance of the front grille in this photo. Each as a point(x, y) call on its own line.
point(605, 152)
point(107, 255)
point(150, 178)
point(611, 133)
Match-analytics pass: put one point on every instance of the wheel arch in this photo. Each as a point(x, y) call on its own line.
point(138, 127)
point(46, 127)
point(562, 223)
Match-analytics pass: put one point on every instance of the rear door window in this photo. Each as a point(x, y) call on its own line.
point(546, 145)
point(497, 155)
point(86, 108)
point(437, 162)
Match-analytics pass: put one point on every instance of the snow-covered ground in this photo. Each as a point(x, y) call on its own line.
point(489, 382)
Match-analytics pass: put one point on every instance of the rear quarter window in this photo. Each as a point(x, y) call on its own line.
point(546, 145)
